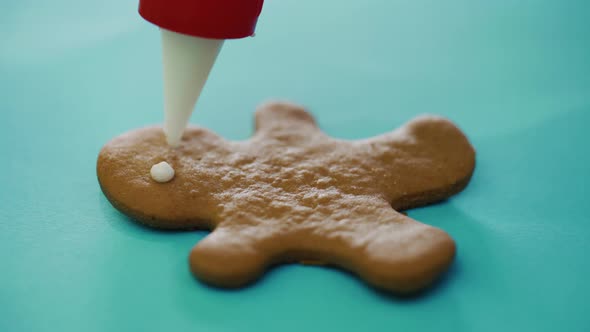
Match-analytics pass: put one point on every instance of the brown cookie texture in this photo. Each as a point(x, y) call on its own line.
point(291, 193)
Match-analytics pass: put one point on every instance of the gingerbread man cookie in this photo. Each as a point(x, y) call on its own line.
point(291, 193)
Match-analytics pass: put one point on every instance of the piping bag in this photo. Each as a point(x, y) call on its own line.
point(193, 32)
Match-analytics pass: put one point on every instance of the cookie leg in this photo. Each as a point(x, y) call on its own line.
point(404, 255)
point(228, 257)
point(384, 247)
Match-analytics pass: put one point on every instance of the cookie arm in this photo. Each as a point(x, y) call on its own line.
point(230, 256)
point(284, 120)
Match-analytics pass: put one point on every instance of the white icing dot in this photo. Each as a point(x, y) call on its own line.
point(162, 172)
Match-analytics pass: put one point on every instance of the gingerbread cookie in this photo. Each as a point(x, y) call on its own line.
point(291, 193)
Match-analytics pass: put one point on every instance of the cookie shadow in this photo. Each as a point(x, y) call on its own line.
point(441, 285)
point(127, 225)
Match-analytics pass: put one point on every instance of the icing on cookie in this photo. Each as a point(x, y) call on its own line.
point(162, 172)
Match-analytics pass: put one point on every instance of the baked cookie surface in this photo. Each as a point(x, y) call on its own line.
point(291, 193)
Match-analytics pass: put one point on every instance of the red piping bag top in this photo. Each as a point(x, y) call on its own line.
point(217, 19)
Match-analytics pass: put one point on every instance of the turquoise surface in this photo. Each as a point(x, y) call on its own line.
point(515, 75)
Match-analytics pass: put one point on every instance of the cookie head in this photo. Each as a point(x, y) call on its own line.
point(125, 170)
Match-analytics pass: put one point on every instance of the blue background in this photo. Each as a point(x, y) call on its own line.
point(515, 75)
